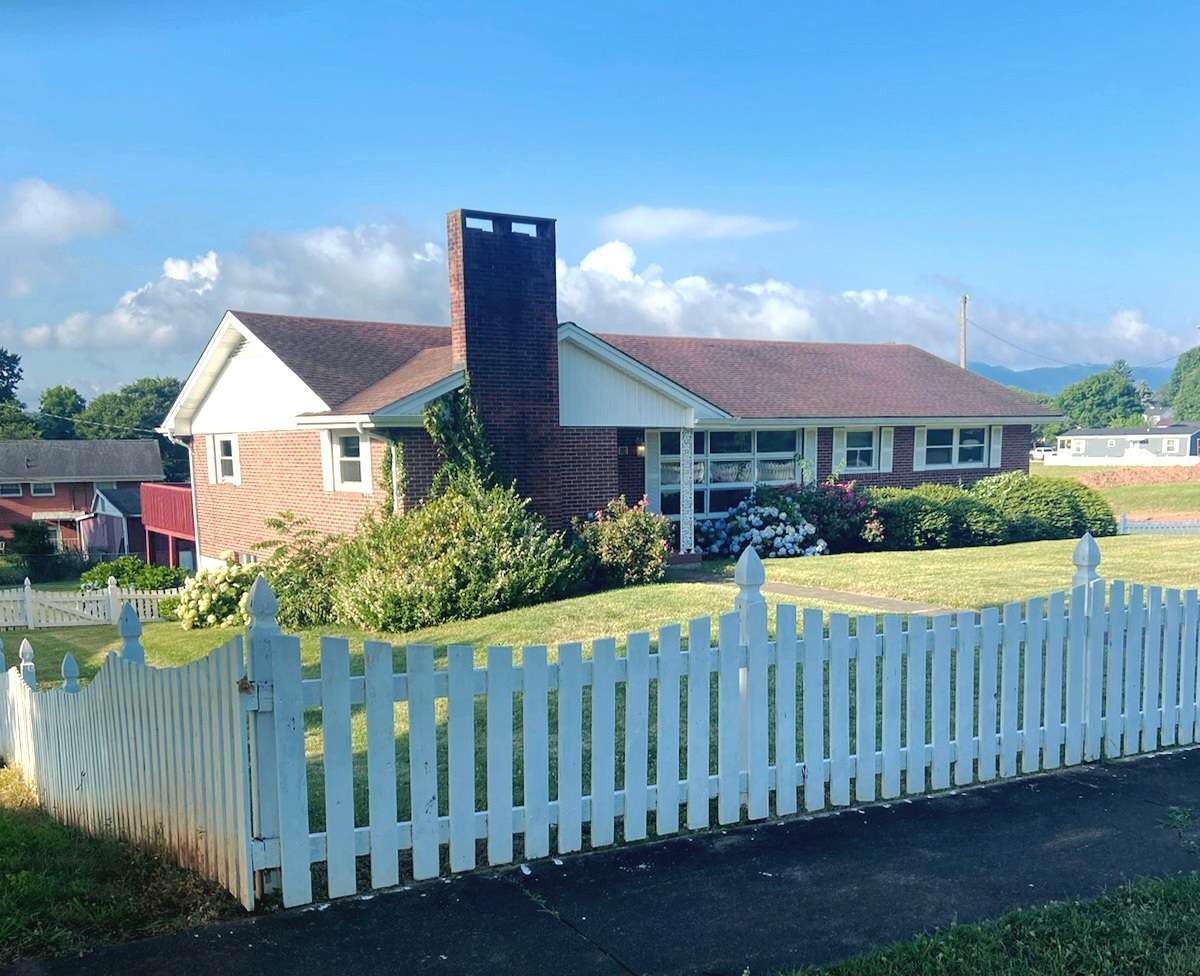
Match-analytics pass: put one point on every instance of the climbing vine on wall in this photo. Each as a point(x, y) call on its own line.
point(394, 476)
point(453, 425)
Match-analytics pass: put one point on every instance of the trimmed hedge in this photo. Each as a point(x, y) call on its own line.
point(1013, 507)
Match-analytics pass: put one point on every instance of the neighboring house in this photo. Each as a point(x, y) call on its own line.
point(1170, 445)
point(169, 523)
point(287, 413)
point(86, 491)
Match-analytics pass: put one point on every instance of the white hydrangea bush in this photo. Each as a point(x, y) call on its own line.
point(217, 597)
point(775, 531)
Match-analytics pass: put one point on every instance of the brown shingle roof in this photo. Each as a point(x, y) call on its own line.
point(340, 359)
point(424, 369)
point(763, 379)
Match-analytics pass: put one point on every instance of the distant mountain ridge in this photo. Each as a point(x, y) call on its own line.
point(1054, 379)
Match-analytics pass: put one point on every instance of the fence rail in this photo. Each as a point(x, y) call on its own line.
point(27, 608)
point(1126, 526)
point(500, 755)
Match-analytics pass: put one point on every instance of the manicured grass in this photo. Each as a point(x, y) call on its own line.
point(1144, 500)
point(989, 576)
point(1148, 928)
point(64, 892)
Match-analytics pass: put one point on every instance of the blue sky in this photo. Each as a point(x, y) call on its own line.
point(802, 172)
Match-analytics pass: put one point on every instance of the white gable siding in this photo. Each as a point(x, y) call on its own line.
point(254, 392)
point(594, 394)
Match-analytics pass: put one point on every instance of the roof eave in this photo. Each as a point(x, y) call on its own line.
point(405, 412)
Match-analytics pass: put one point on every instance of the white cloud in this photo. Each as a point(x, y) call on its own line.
point(658, 223)
point(37, 219)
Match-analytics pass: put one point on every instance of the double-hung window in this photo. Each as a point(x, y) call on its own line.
point(861, 450)
point(41, 489)
point(348, 448)
point(347, 461)
point(226, 459)
point(956, 447)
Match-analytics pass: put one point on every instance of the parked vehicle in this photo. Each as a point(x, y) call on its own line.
point(1043, 451)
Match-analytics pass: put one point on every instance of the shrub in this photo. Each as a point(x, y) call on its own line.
point(936, 517)
point(1037, 507)
point(842, 511)
point(777, 529)
point(623, 545)
point(131, 571)
point(218, 597)
point(300, 569)
point(31, 539)
point(468, 551)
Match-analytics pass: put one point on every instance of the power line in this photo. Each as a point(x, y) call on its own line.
point(1059, 362)
point(92, 423)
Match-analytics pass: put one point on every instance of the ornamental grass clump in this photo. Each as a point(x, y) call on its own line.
point(217, 597)
point(774, 531)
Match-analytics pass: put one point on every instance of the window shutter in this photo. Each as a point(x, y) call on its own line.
point(886, 437)
point(237, 460)
point(210, 457)
point(368, 482)
point(810, 453)
point(997, 447)
point(839, 450)
point(653, 472)
point(919, 449)
point(326, 460)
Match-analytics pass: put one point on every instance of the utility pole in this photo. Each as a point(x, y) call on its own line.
point(962, 332)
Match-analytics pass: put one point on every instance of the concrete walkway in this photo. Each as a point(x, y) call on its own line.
point(869, 602)
point(764, 897)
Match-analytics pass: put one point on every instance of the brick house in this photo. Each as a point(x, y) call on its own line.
point(86, 491)
point(297, 413)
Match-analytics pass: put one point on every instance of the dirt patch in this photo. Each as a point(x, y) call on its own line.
point(1151, 515)
point(1140, 476)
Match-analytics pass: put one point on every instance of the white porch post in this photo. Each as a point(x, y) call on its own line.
point(687, 493)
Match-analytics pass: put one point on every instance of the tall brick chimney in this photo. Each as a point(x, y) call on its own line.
point(504, 329)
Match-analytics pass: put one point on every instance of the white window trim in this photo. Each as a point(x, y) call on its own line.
point(955, 464)
point(19, 493)
point(655, 460)
point(841, 450)
point(41, 494)
point(331, 458)
point(215, 457)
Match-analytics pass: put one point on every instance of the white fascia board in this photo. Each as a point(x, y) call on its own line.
point(402, 413)
point(623, 362)
point(230, 332)
point(757, 422)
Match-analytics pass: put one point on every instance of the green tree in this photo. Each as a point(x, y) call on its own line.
point(135, 410)
point(1187, 363)
point(15, 423)
point(10, 375)
point(59, 405)
point(1186, 405)
point(1101, 400)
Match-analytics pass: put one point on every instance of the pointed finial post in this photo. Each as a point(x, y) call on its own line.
point(114, 599)
point(263, 607)
point(749, 574)
point(30, 616)
point(130, 629)
point(25, 653)
point(1087, 560)
point(70, 673)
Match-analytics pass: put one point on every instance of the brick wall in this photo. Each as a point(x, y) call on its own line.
point(420, 464)
point(631, 469)
point(1014, 456)
point(280, 471)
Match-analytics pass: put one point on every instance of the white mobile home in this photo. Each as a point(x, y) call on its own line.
point(1174, 444)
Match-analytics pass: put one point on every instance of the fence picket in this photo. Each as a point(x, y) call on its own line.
point(1094, 682)
point(1114, 671)
point(338, 765)
point(1010, 669)
point(893, 645)
point(989, 665)
point(670, 666)
point(759, 801)
point(1135, 618)
point(1076, 674)
point(698, 757)
point(1031, 720)
point(500, 755)
point(570, 747)
point(381, 763)
point(604, 668)
point(943, 640)
point(1151, 679)
point(1187, 668)
point(637, 724)
point(839, 709)
point(535, 721)
point(1170, 667)
point(864, 708)
point(814, 710)
point(729, 727)
point(785, 709)
point(964, 699)
point(460, 754)
point(291, 773)
point(423, 766)
point(916, 663)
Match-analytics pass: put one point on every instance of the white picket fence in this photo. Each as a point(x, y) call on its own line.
point(437, 768)
point(1127, 526)
point(27, 608)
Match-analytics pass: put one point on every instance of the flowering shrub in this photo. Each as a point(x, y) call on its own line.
point(217, 597)
point(844, 514)
point(774, 530)
point(623, 545)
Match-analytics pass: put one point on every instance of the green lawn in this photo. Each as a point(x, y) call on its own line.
point(990, 576)
point(1168, 497)
point(63, 892)
point(1148, 928)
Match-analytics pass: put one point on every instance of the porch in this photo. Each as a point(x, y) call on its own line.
point(169, 523)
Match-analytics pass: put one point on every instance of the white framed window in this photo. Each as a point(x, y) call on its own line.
point(10, 489)
point(346, 461)
point(41, 489)
point(860, 450)
point(1170, 445)
point(956, 447)
point(227, 459)
point(727, 464)
point(348, 452)
point(247, 558)
point(102, 485)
